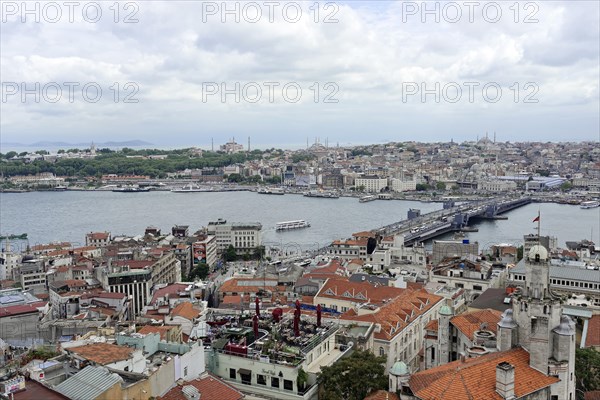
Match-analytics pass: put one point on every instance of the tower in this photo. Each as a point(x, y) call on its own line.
point(399, 376)
point(444, 334)
point(507, 331)
point(562, 363)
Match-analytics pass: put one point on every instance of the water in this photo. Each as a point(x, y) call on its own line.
point(68, 216)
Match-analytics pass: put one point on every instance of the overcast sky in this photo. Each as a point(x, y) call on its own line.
point(373, 58)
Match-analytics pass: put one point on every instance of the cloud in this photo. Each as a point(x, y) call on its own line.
point(370, 55)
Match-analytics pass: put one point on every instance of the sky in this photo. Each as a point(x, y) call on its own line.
point(179, 73)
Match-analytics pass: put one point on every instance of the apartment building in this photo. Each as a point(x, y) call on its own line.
point(244, 237)
point(371, 183)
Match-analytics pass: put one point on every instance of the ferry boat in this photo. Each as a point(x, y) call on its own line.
point(287, 225)
point(367, 198)
point(190, 188)
point(325, 195)
point(589, 204)
point(131, 189)
point(277, 191)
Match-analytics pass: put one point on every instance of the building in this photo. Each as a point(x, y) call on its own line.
point(371, 184)
point(97, 239)
point(399, 325)
point(204, 250)
point(453, 248)
point(469, 274)
point(402, 185)
point(535, 360)
point(231, 147)
point(208, 386)
point(244, 237)
point(497, 186)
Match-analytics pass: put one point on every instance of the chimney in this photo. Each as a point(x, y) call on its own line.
point(190, 392)
point(505, 380)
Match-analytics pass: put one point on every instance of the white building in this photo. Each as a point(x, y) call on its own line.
point(371, 184)
point(244, 237)
point(497, 186)
point(401, 185)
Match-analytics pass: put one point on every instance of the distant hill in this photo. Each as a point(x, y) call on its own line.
point(50, 144)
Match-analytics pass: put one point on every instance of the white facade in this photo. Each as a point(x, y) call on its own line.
point(497, 186)
point(371, 184)
point(401, 185)
point(244, 237)
point(10, 262)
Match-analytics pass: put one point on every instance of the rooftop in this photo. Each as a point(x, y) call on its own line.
point(89, 383)
point(102, 353)
point(209, 387)
point(470, 322)
point(475, 378)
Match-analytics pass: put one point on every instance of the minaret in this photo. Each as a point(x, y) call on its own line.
point(399, 375)
point(563, 358)
point(507, 331)
point(444, 340)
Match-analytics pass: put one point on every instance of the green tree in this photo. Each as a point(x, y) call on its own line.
point(587, 369)
point(566, 186)
point(422, 186)
point(234, 178)
point(230, 253)
point(10, 154)
point(440, 186)
point(354, 377)
point(519, 253)
point(200, 271)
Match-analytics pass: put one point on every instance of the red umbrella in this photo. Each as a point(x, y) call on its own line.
point(298, 305)
point(297, 322)
point(277, 313)
point(257, 307)
point(318, 315)
point(255, 326)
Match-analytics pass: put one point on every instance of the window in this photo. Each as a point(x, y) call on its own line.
point(231, 373)
point(432, 353)
point(261, 380)
point(275, 382)
point(185, 371)
point(288, 385)
point(477, 287)
point(381, 351)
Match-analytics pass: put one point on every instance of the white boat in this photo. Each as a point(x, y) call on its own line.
point(277, 191)
point(367, 198)
point(190, 188)
point(321, 194)
point(287, 225)
point(589, 204)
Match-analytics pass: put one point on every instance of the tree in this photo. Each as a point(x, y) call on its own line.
point(422, 186)
point(354, 377)
point(200, 271)
point(230, 253)
point(440, 186)
point(519, 253)
point(587, 369)
point(10, 154)
point(566, 186)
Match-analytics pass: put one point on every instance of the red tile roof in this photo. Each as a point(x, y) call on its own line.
point(22, 309)
point(382, 395)
point(102, 353)
point(394, 316)
point(171, 289)
point(593, 333)
point(185, 310)
point(470, 322)
point(162, 330)
point(475, 378)
point(359, 292)
point(210, 388)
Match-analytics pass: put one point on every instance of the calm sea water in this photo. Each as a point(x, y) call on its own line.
point(68, 216)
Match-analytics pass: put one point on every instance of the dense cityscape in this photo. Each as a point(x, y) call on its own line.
point(412, 309)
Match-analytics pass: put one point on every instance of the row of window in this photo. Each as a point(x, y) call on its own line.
point(262, 380)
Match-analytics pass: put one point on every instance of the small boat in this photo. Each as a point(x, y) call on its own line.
point(287, 225)
point(131, 189)
point(277, 191)
point(367, 198)
point(190, 188)
point(589, 204)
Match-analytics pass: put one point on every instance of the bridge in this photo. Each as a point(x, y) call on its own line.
point(451, 218)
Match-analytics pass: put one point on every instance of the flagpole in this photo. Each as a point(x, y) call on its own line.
point(538, 227)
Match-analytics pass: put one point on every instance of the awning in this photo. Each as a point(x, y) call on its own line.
point(244, 371)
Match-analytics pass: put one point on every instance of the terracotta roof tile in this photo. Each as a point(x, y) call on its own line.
point(470, 322)
point(360, 292)
point(185, 310)
point(210, 388)
point(382, 395)
point(475, 378)
point(102, 353)
point(593, 333)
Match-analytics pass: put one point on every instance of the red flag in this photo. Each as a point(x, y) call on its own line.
point(536, 219)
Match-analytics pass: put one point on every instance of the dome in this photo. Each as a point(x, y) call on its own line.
point(565, 328)
point(538, 249)
point(507, 321)
point(399, 368)
point(445, 310)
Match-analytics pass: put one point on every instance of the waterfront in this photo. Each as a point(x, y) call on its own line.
point(54, 216)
